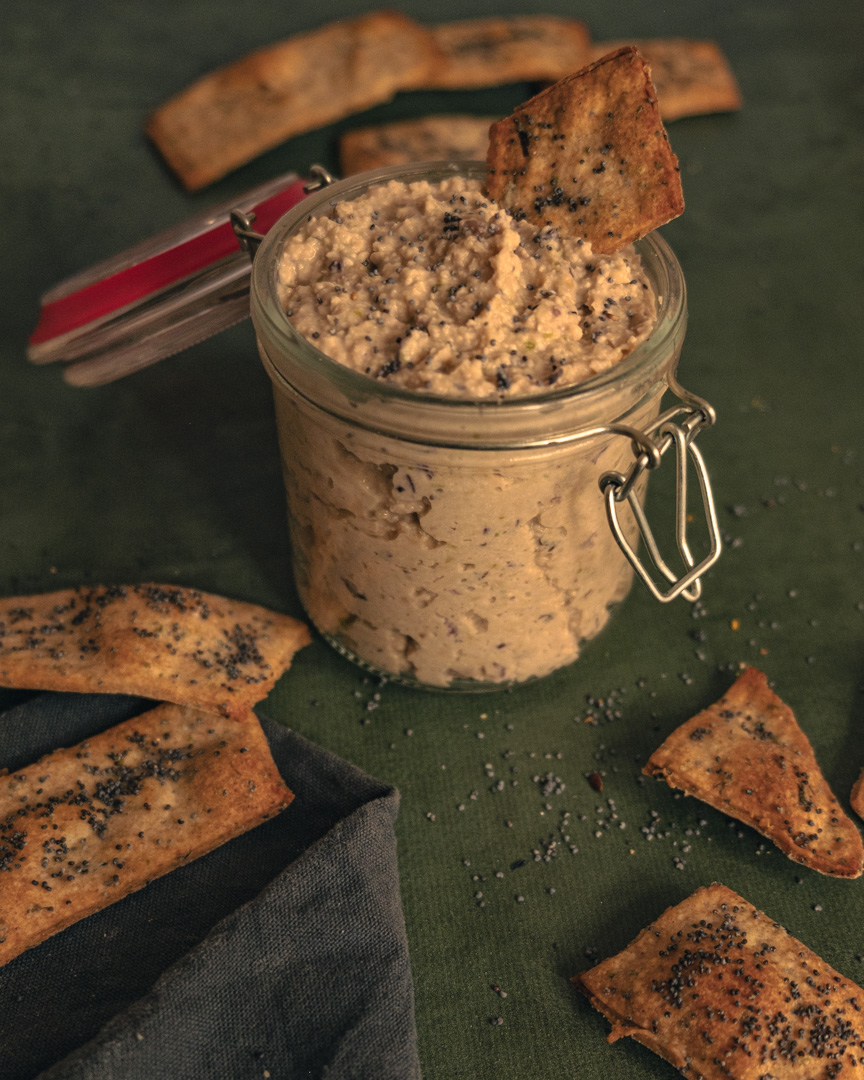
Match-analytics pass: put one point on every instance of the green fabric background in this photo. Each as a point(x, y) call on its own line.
point(172, 475)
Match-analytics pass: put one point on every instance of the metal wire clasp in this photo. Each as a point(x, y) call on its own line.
point(678, 428)
point(242, 223)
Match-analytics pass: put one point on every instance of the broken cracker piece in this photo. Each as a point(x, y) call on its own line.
point(722, 991)
point(160, 641)
point(87, 825)
point(589, 156)
point(496, 50)
point(857, 797)
point(747, 756)
point(235, 113)
point(692, 77)
point(429, 138)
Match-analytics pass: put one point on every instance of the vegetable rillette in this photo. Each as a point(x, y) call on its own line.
point(445, 565)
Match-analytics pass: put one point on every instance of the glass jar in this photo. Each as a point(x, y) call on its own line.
point(466, 544)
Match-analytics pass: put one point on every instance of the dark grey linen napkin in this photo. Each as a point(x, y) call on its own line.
point(280, 954)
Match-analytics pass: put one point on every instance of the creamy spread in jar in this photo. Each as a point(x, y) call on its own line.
point(434, 288)
point(447, 561)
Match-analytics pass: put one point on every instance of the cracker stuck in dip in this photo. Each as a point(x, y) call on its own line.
point(434, 288)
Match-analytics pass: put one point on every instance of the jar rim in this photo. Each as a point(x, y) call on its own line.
point(279, 338)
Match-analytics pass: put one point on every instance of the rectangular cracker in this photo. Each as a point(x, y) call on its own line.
point(160, 641)
point(235, 113)
point(87, 825)
point(496, 50)
point(723, 992)
point(589, 156)
point(429, 138)
point(747, 756)
point(692, 77)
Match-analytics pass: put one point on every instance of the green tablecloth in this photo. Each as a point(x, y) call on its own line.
point(515, 872)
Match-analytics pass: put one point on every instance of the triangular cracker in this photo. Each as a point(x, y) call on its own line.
point(589, 155)
point(160, 641)
point(721, 991)
point(87, 825)
point(747, 756)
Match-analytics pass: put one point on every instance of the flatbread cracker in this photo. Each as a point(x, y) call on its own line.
point(722, 991)
point(493, 51)
point(857, 798)
point(231, 115)
point(87, 825)
point(160, 641)
point(429, 138)
point(691, 77)
point(747, 756)
point(589, 156)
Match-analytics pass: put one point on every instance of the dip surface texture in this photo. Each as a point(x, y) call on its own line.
point(436, 289)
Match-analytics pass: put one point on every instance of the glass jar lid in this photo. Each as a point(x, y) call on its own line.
point(160, 296)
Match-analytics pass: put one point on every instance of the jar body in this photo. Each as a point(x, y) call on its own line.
point(453, 544)
point(452, 568)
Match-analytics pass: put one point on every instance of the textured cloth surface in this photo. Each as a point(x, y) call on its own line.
point(282, 952)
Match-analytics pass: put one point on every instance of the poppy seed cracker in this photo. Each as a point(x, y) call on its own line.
point(428, 138)
point(722, 991)
point(517, 48)
point(692, 77)
point(235, 113)
point(747, 756)
point(160, 641)
point(589, 156)
point(87, 825)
